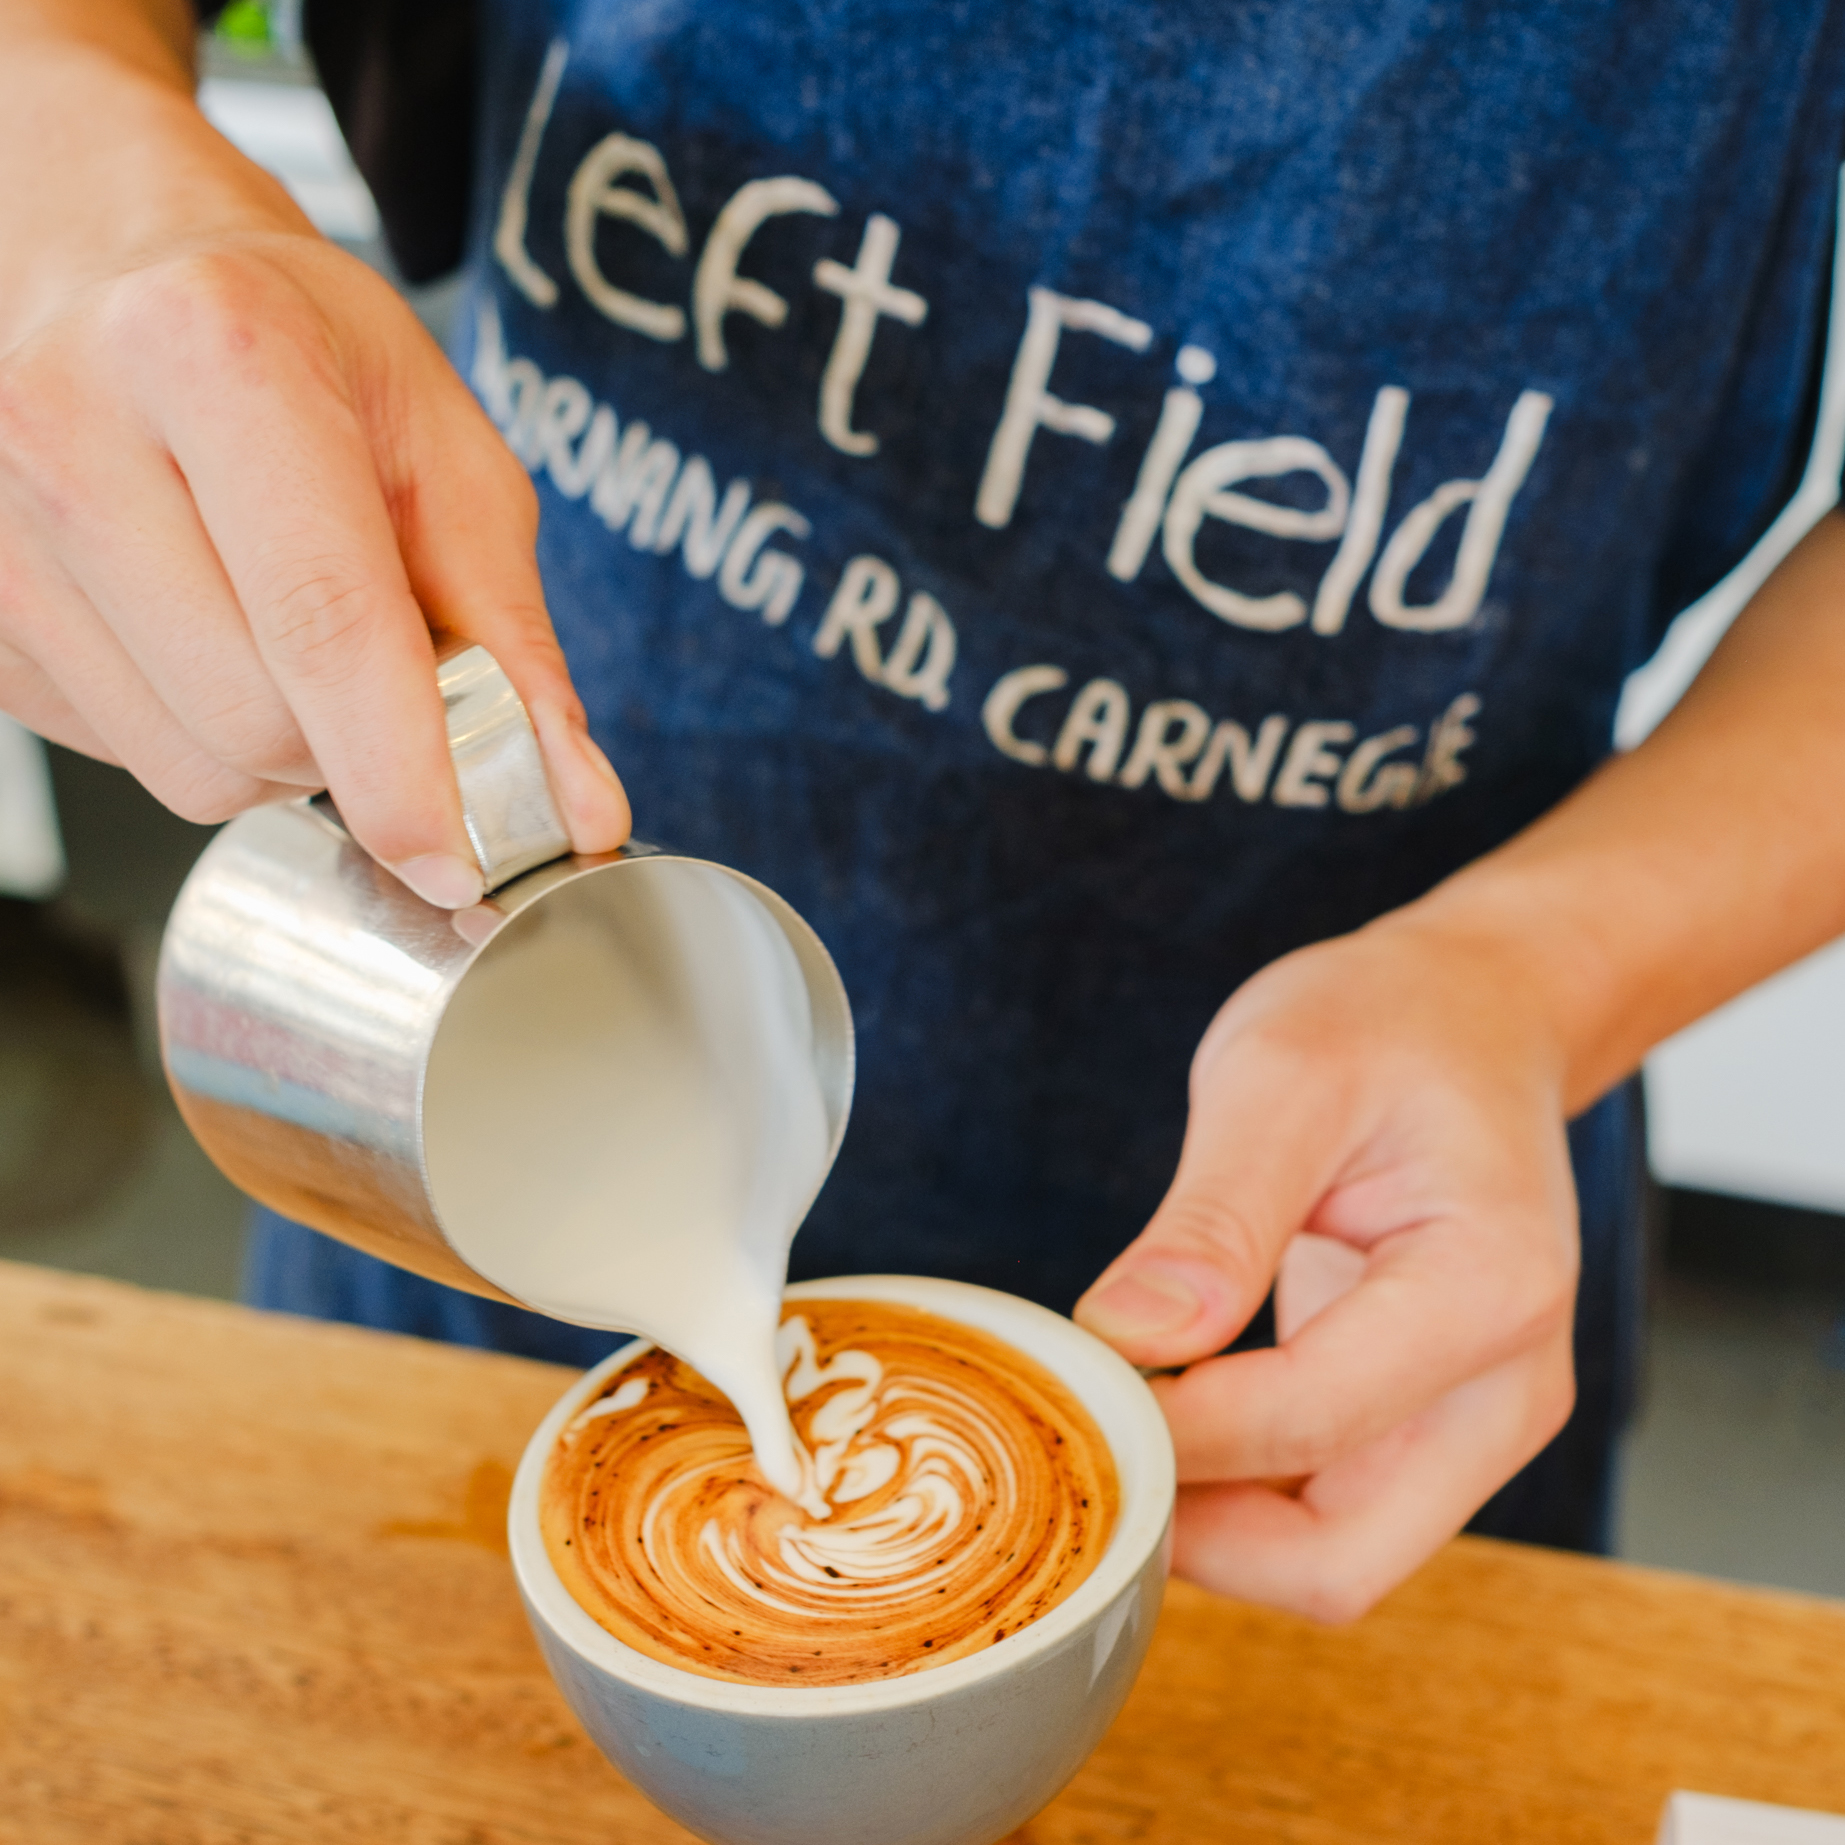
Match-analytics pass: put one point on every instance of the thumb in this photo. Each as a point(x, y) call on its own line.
point(1261, 1149)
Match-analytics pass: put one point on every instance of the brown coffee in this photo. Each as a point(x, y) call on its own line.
point(965, 1492)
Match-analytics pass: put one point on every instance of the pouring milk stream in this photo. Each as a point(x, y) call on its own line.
point(674, 1038)
point(610, 1091)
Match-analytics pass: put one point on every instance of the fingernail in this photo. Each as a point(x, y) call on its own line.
point(1138, 1304)
point(437, 877)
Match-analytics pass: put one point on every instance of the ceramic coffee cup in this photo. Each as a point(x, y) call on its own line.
point(956, 1755)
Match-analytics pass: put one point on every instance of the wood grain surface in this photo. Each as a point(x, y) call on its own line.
point(253, 1588)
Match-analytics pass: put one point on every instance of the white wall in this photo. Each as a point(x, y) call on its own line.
point(1752, 1099)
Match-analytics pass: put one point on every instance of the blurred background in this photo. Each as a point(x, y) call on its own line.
point(1735, 1464)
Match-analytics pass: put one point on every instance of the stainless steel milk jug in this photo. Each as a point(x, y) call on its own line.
point(308, 1005)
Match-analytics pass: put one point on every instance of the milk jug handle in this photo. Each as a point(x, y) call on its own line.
point(512, 821)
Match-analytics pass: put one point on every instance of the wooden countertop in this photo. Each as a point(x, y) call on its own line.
point(253, 1587)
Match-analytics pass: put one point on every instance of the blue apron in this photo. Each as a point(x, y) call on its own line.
point(1086, 498)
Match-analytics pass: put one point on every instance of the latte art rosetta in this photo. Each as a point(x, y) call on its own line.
point(953, 1491)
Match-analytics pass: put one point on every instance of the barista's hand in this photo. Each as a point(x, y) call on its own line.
point(241, 490)
point(1376, 1125)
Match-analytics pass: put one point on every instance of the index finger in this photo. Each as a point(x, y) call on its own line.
point(255, 414)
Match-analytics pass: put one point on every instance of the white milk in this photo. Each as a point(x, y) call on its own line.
point(625, 1124)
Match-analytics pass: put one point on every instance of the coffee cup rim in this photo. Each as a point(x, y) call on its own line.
point(1108, 1387)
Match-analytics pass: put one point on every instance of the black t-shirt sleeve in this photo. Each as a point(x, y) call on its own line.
point(401, 76)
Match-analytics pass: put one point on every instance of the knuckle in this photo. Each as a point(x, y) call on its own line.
point(1313, 1438)
point(1536, 1295)
point(317, 618)
point(483, 476)
point(1209, 1224)
point(216, 299)
point(252, 733)
point(528, 621)
point(527, 650)
point(212, 320)
point(205, 793)
point(1301, 1037)
point(490, 469)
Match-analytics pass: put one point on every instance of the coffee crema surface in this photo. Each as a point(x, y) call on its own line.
point(953, 1491)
